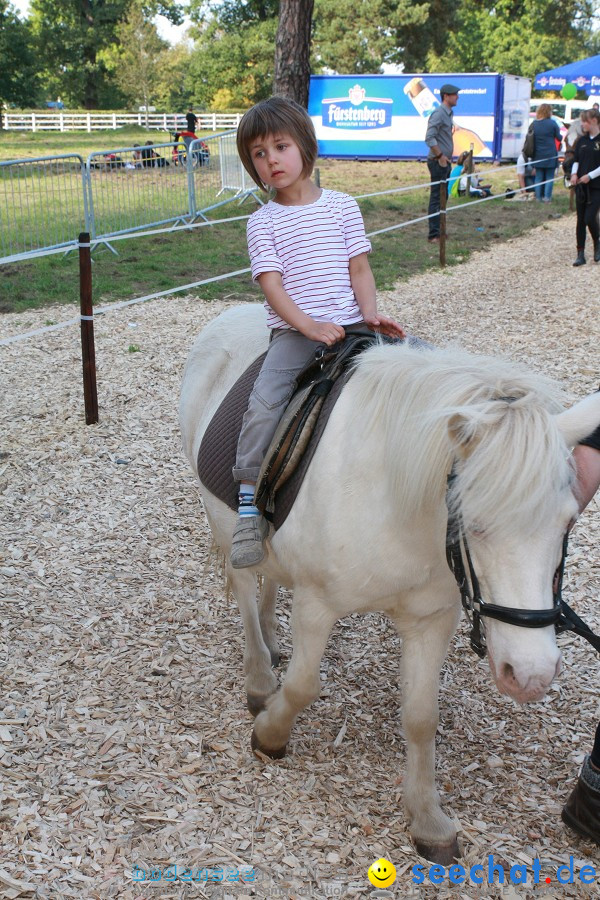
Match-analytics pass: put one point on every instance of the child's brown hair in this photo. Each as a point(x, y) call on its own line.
point(275, 116)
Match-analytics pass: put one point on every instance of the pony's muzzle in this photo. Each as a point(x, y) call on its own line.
point(526, 682)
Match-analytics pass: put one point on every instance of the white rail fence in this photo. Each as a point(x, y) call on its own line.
point(110, 121)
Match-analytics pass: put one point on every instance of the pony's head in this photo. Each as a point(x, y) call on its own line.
point(515, 493)
point(504, 431)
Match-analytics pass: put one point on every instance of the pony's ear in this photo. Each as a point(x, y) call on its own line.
point(463, 434)
point(580, 420)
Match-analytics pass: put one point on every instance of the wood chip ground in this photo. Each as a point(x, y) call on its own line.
point(124, 737)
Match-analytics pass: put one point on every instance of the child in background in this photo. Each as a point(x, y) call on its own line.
point(455, 174)
point(477, 188)
point(308, 251)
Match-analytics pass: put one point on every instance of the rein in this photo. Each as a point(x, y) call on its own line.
point(560, 615)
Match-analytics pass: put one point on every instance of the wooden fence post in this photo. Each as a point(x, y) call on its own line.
point(443, 203)
point(88, 352)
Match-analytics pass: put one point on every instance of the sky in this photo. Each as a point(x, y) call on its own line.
point(170, 33)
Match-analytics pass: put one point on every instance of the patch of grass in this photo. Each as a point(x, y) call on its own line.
point(148, 264)
point(133, 348)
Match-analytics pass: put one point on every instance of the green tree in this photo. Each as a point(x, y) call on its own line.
point(522, 37)
point(234, 50)
point(351, 37)
point(233, 14)
point(174, 80)
point(72, 36)
point(135, 57)
point(18, 67)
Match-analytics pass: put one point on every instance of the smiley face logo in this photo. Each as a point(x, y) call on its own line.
point(381, 873)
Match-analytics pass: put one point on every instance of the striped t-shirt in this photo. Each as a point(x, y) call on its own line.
point(311, 247)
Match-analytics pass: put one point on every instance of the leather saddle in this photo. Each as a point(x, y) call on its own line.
point(300, 418)
point(297, 435)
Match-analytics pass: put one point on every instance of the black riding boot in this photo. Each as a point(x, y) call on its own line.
point(580, 261)
point(581, 812)
point(597, 251)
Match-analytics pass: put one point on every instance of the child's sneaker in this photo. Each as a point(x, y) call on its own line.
point(247, 542)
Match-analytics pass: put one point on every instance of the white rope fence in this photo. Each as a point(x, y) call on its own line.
point(195, 284)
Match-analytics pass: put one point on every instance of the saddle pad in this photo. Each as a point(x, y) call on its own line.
point(216, 456)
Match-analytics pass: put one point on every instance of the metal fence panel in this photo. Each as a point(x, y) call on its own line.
point(224, 178)
point(46, 202)
point(132, 188)
point(43, 204)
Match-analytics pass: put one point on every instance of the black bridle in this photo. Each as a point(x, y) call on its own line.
point(560, 615)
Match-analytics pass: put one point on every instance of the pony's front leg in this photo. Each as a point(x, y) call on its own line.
point(424, 648)
point(260, 681)
point(267, 617)
point(311, 625)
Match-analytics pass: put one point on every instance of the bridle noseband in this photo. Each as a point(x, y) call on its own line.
point(560, 615)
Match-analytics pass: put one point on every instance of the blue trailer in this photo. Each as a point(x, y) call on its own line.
point(385, 116)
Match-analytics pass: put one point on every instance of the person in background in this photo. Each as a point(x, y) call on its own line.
point(545, 157)
point(585, 177)
point(137, 156)
point(475, 186)
point(457, 170)
point(581, 812)
point(572, 136)
point(440, 142)
point(526, 176)
point(178, 149)
point(192, 120)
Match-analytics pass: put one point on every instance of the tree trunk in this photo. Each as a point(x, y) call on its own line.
point(90, 85)
point(292, 50)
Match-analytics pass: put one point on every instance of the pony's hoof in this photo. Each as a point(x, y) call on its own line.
point(443, 854)
point(256, 703)
point(275, 659)
point(266, 751)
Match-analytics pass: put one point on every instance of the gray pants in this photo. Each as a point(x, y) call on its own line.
point(289, 352)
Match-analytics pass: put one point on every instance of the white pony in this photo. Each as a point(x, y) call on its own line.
point(368, 528)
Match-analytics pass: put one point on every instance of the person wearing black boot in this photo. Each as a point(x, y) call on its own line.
point(581, 812)
point(585, 176)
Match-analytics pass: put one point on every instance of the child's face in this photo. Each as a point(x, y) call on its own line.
point(277, 160)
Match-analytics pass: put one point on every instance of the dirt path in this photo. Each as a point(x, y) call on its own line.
point(124, 737)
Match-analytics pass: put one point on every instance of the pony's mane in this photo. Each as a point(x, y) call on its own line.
point(494, 417)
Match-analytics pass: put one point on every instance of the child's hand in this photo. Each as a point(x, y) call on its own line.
point(324, 332)
point(385, 325)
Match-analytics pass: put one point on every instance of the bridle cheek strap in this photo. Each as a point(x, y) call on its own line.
point(560, 615)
